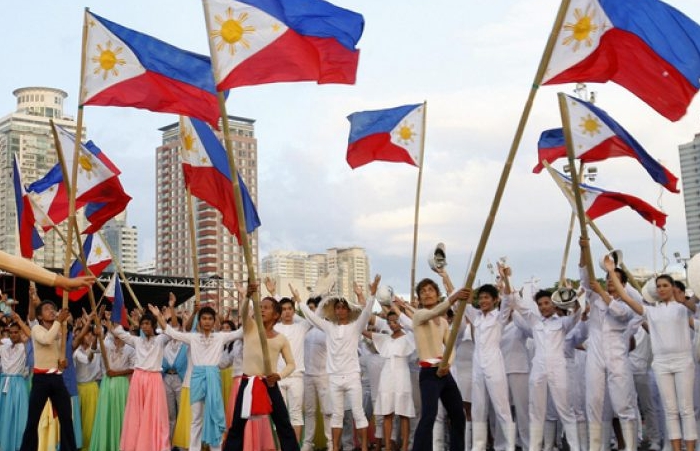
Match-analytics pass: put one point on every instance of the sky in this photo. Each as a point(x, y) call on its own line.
point(473, 62)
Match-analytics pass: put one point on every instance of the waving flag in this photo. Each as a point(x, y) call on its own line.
point(647, 46)
point(207, 173)
point(114, 293)
point(394, 134)
point(268, 41)
point(598, 202)
point(29, 239)
point(596, 136)
point(97, 182)
point(126, 68)
point(97, 258)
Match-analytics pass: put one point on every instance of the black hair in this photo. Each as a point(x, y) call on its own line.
point(206, 310)
point(315, 301)
point(680, 285)
point(40, 307)
point(425, 282)
point(543, 294)
point(230, 323)
point(666, 277)
point(621, 275)
point(393, 313)
point(337, 301)
point(284, 301)
point(148, 316)
point(489, 289)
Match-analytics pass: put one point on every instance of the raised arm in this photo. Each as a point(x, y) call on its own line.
point(615, 280)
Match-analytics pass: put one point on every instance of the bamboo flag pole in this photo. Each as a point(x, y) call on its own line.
point(245, 243)
point(193, 248)
point(566, 124)
point(120, 270)
point(569, 234)
point(567, 192)
point(415, 216)
point(486, 232)
point(73, 227)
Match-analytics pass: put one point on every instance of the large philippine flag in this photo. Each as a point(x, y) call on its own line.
point(207, 173)
point(596, 137)
point(126, 68)
point(97, 258)
point(266, 41)
point(647, 46)
point(598, 202)
point(393, 134)
point(29, 239)
point(97, 181)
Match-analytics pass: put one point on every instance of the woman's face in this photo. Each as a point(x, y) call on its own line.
point(664, 289)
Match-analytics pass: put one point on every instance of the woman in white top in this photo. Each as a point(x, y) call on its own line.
point(668, 322)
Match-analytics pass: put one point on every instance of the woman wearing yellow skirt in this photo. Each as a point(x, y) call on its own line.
point(226, 364)
point(181, 436)
point(87, 369)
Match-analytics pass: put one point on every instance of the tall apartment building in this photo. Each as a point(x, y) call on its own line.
point(305, 271)
point(123, 240)
point(690, 175)
point(220, 258)
point(27, 134)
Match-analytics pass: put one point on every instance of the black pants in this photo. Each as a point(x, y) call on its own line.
point(432, 390)
point(49, 386)
point(279, 415)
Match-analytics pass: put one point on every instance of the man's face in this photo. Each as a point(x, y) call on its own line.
point(312, 306)
point(546, 306)
point(206, 322)
point(342, 312)
point(147, 328)
point(48, 312)
point(268, 312)
point(428, 295)
point(486, 302)
point(393, 322)
point(610, 287)
point(15, 335)
point(287, 313)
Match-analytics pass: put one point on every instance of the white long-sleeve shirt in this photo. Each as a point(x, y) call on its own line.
point(487, 332)
point(13, 358)
point(342, 340)
point(669, 331)
point(315, 352)
point(87, 370)
point(295, 334)
point(205, 351)
point(148, 352)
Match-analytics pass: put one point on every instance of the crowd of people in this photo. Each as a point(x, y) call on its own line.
point(600, 368)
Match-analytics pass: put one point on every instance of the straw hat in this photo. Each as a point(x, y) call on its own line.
point(385, 295)
point(616, 255)
point(325, 284)
point(326, 308)
point(693, 274)
point(649, 291)
point(564, 298)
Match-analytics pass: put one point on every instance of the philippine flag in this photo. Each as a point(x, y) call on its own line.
point(97, 182)
point(97, 258)
point(647, 46)
point(598, 202)
point(268, 41)
point(126, 68)
point(596, 137)
point(115, 294)
point(29, 239)
point(393, 134)
point(207, 173)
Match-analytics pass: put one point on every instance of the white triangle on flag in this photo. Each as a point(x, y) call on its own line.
point(110, 288)
point(587, 129)
point(408, 133)
point(108, 60)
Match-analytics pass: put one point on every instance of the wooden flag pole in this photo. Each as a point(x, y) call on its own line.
point(193, 247)
point(120, 270)
point(566, 122)
point(415, 216)
point(567, 192)
point(486, 232)
point(73, 227)
point(247, 253)
point(569, 234)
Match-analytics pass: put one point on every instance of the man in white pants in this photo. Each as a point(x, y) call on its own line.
point(607, 361)
point(343, 333)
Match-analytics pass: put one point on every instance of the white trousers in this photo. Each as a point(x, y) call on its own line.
point(316, 394)
point(196, 428)
point(292, 389)
point(347, 385)
point(675, 383)
point(620, 386)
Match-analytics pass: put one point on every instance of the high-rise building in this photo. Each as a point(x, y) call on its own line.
point(306, 271)
point(27, 134)
point(220, 258)
point(123, 240)
point(690, 175)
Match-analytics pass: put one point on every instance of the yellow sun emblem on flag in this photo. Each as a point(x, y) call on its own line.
point(590, 125)
point(98, 251)
point(582, 29)
point(232, 31)
point(107, 60)
point(86, 165)
point(188, 140)
point(405, 134)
